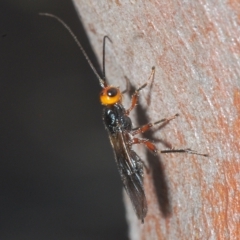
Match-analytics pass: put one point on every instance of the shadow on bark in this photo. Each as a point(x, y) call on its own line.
point(154, 161)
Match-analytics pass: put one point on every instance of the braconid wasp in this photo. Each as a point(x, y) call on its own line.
point(122, 134)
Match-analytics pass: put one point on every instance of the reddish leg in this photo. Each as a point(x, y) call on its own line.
point(153, 148)
point(146, 142)
point(135, 96)
point(146, 127)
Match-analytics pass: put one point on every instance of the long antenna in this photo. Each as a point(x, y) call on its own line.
point(104, 40)
point(101, 81)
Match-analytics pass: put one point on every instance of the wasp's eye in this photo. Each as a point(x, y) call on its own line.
point(112, 92)
point(110, 95)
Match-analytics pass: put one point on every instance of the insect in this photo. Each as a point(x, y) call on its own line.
point(122, 134)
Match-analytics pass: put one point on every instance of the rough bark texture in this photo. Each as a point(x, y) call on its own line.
point(195, 47)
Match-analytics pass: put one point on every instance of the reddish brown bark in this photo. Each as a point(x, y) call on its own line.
point(195, 47)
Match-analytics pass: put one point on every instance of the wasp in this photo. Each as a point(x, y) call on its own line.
point(121, 133)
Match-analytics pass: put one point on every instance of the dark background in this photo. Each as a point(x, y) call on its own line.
point(58, 178)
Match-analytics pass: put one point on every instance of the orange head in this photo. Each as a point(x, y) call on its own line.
point(110, 95)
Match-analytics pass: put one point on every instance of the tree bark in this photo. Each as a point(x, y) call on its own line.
point(195, 47)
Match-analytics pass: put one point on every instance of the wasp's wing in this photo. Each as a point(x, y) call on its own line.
point(130, 167)
point(134, 187)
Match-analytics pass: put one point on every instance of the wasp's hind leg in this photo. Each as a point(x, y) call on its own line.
point(146, 127)
point(186, 150)
point(146, 142)
point(151, 146)
point(154, 149)
point(135, 96)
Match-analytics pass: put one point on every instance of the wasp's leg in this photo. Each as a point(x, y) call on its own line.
point(153, 148)
point(146, 142)
point(135, 98)
point(187, 150)
point(146, 127)
point(136, 94)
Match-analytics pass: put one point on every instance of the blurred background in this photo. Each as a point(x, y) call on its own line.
point(58, 177)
